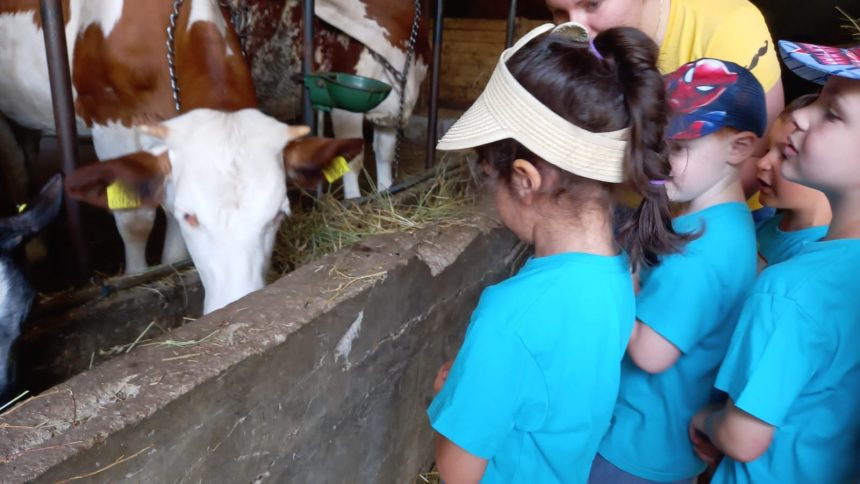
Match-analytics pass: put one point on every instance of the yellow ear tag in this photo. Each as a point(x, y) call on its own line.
point(120, 197)
point(336, 169)
point(22, 207)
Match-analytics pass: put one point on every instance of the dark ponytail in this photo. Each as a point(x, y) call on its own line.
point(648, 233)
point(619, 86)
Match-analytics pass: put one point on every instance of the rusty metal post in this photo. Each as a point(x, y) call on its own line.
point(512, 24)
point(53, 27)
point(308, 64)
point(433, 109)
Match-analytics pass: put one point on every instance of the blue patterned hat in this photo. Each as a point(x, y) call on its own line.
point(818, 62)
point(707, 95)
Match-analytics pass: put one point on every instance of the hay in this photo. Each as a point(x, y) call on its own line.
point(448, 198)
point(431, 477)
point(9, 403)
point(182, 343)
point(853, 24)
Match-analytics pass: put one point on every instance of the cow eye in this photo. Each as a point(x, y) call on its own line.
point(191, 220)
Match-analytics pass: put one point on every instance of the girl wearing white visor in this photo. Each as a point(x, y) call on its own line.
point(561, 123)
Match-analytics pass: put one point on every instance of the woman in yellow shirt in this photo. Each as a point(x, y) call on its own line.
point(686, 30)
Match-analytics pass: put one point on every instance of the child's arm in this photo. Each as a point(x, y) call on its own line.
point(441, 376)
point(456, 466)
point(650, 351)
point(675, 310)
point(736, 433)
point(493, 388)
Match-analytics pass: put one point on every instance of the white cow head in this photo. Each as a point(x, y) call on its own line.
point(222, 176)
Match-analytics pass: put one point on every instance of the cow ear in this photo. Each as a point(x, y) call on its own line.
point(154, 129)
point(305, 158)
point(130, 181)
point(18, 229)
point(294, 132)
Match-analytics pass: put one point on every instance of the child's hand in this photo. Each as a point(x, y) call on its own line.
point(702, 445)
point(441, 376)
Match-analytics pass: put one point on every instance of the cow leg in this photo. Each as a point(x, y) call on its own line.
point(174, 245)
point(384, 140)
point(134, 227)
point(349, 125)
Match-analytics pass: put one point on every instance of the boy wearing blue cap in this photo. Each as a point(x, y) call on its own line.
point(792, 371)
point(687, 304)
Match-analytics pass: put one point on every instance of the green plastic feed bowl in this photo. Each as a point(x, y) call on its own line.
point(345, 91)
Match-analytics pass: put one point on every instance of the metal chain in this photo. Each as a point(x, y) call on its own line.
point(171, 54)
point(240, 18)
point(410, 53)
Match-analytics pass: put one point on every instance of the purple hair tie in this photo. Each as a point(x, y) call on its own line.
point(658, 182)
point(594, 50)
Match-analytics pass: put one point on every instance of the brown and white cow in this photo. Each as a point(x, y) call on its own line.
point(218, 169)
point(345, 34)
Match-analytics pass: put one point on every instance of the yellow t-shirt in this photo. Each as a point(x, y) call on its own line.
point(731, 30)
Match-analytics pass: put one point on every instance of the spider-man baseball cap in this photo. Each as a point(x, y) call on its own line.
point(818, 62)
point(710, 94)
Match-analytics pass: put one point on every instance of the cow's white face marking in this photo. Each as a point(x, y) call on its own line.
point(227, 189)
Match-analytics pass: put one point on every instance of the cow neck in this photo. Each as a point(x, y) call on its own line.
point(124, 76)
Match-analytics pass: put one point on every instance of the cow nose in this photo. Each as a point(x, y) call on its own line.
point(229, 287)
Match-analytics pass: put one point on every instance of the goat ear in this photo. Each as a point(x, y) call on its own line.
point(18, 229)
point(130, 181)
point(305, 158)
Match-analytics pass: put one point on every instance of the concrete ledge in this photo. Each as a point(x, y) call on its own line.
point(323, 376)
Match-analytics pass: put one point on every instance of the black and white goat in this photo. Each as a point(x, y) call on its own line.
point(16, 295)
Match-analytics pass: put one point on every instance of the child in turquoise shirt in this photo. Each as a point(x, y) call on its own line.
point(561, 121)
point(803, 214)
point(792, 372)
point(687, 305)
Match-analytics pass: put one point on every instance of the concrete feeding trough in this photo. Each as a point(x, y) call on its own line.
point(323, 375)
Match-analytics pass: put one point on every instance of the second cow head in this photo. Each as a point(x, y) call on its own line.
point(222, 176)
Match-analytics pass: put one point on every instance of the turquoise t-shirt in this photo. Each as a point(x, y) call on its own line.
point(775, 245)
point(794, 363)
point(691, 299)
point(533, 386)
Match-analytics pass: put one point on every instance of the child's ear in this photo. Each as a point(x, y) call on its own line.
point(525, 180)
point(742, 146)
